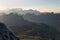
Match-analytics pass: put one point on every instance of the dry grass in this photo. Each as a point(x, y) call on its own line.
point(26, 37)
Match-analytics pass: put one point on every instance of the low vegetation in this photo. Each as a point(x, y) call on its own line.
point(58, 36)
point(27, 37)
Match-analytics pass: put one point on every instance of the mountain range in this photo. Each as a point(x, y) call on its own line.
point(32, 22)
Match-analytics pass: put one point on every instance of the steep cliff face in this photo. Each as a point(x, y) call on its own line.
point(6, 34)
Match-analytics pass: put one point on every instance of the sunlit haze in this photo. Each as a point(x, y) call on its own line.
point(40, 5)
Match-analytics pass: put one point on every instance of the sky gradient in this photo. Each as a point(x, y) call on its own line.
point(41, 5)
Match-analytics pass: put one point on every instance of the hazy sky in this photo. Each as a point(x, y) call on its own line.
point(41, 5)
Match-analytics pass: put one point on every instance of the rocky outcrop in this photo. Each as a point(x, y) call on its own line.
point(6, 34)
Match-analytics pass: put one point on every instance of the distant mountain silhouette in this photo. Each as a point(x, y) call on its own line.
point(47, 18)
point(20, 11)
